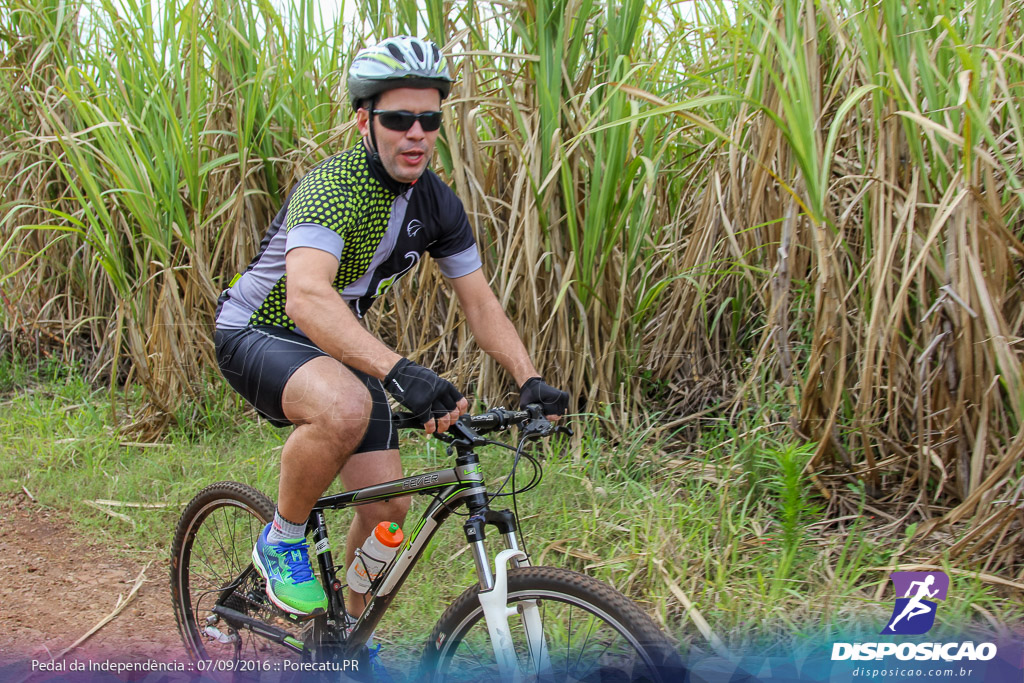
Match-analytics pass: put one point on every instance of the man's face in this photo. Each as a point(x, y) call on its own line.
point(405, 154)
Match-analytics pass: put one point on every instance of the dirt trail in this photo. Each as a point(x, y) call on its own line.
point(58, 585)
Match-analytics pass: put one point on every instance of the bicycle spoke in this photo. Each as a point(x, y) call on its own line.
point(568, 644)
point(218, 536)
point(480, 666)
point(584, 648)
point(537, 652)
point(205, 561)
point(212, 538)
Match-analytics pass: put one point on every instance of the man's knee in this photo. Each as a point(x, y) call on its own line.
point(344, 419)
point(341, 412)
point(339, 409)
point(348, 410)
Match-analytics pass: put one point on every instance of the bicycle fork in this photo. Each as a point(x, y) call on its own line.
point(493, 596)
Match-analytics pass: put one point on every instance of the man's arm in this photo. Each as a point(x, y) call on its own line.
point(497, 336)
point(318, 310)
point(322, 314)
point(494, 332)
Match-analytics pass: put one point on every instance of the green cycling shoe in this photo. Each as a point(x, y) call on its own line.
point(291, 584)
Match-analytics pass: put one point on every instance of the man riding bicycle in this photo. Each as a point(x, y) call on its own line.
point(288, 333)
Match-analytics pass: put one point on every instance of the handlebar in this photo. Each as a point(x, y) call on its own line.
point(496, 419)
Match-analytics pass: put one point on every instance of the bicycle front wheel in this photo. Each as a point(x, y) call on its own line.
point(211, 569)
point(590, 632)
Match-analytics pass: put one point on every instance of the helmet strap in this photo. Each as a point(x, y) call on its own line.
point(373, 135)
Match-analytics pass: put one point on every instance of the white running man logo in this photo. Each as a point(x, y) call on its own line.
point(915, 607)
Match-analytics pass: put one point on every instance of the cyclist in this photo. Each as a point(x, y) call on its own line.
point(288, 332)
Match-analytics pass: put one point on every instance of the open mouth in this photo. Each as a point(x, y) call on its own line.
point(413, 156)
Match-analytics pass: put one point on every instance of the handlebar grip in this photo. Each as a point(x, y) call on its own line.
point(489, 421)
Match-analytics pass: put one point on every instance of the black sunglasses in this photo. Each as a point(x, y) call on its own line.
point(402, 120)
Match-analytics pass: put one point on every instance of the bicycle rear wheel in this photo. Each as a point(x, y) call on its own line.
point(591, 633)
point(211, 566)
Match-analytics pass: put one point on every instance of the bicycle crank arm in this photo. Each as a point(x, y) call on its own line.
point(238, 620)
point(497, 613)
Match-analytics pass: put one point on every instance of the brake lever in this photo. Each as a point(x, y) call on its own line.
point(540, 427)
point(537, 428)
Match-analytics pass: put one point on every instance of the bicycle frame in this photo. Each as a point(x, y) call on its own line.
point(461, 485)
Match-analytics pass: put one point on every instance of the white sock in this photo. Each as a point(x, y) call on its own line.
point(283, 530)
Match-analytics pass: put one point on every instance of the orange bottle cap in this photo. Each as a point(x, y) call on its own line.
point(389, 534)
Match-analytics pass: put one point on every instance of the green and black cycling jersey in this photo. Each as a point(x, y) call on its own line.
point(377, 228)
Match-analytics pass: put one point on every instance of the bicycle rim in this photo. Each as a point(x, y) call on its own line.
point(591, 633)
point(212, 564)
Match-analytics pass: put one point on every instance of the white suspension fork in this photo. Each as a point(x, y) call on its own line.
point(497, 613)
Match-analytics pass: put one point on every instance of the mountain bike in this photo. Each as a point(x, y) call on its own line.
point(519, 622)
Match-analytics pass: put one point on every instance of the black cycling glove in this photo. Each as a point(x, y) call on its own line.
point(535, 390)
point(421, 391)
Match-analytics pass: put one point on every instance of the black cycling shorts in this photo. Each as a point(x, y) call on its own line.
point(258, 361)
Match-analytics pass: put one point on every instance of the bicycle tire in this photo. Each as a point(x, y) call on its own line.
point(620, 642)
point(212, 547)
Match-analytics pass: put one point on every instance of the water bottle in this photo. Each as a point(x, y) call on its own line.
point(377, 551)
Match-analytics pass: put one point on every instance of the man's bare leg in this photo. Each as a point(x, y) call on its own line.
point(331, 409)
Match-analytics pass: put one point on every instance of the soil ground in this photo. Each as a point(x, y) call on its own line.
point(57, 586)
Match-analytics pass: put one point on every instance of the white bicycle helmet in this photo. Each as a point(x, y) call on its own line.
point(399, 62)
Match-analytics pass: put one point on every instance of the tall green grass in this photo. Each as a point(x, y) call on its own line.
point(686, 212)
